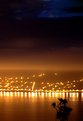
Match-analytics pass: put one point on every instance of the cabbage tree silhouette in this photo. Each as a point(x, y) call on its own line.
point(62, 109)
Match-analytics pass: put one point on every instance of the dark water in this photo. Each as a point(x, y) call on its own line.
point(37, 107)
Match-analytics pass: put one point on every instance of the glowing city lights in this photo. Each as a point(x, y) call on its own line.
point(27, 84)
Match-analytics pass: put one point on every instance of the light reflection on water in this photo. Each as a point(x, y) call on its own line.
point(23, 106)
point(82, 96)
point(71, 96)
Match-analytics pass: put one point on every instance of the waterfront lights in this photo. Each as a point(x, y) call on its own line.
point(22, 84)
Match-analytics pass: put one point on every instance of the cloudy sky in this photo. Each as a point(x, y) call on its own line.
point(40, 44)
point(62, 50)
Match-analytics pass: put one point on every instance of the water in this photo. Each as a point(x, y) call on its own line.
point(35, 107)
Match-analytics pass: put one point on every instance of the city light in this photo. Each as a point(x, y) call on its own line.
point(21, 84)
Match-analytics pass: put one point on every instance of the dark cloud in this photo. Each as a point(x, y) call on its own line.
point(29, 42)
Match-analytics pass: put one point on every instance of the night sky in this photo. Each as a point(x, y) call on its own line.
point(41, 35)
